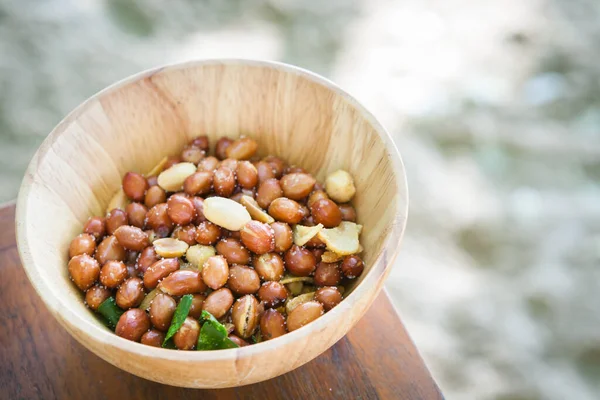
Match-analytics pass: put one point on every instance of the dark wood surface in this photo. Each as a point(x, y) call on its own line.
point(39, 360)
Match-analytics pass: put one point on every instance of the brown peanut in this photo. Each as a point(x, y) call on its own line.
point(82, 244)
point(84, 271)
point(187, 336)
point(95, 296)
point(161, 311)
point(272, 324)
point(130, 293)
point(286, 210)
point(132, 238)
point(297, 186)
point(159, 270)
point(218, 302)
point(182, 282)
point(110, 249)
point(269, 266)
point(135, 186)
point(95, 226)
point(113, 273)
point(244, 316)
point(243, 280)
point(215, 272)
point(133, 324)
point(268, 191)
point(258, 237)
point(304, 314)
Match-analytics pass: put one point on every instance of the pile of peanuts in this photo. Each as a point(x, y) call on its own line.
point(261, 245)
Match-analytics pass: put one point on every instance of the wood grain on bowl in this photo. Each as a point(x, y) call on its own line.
point(132, 125)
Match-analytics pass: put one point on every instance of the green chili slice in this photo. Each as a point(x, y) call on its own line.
point(181, 313)
point(213, 335)
point(110, 311)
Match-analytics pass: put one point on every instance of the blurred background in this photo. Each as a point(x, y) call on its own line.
point(494, 105)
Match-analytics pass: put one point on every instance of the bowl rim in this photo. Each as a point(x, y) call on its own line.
point(380, 266)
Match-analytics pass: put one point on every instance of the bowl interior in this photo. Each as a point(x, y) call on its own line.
point(133, 124)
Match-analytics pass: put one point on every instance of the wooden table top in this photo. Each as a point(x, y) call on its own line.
point(38, 359)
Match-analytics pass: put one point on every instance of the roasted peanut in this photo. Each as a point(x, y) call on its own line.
point(286, 210)
point(242, 149)
point(327, 274)
point(199, 183)
point(243, 280)
point(304, 314)
point(180, 209)
point(215, 272)
point(135, 186)
point(224, 181)
point(226, 213)
point(95, 226)
point(158, 220)
point(192, 154)
point(326, 212)
point(268, 191)
point(221, 147)
point(297, 186)
point(110, 249)
point(132, 238)
point(272, 324)
point(153, 338)
point(84, 271)
point(283, 236)
point(196, 307)
point(171, 179)
point(258, 237)
point(315, 196)
point(208, 164)
point(115, 219)
point(186, 234)
point(113, 273)
point(233, 251)
point(199, 206)
point(200, 141)
point(348, 212)
point(264, 171)
point(133, 324)
point(269, 266)
point(82, 244)
point(159, 270)
point(95, 296)
point(300, 261)
point(182, 282)
point(146, 258)
point(277, 165)
point(136, 214)
point(247, 175)
point(272, 294)
point(130, 293)
point(218, 302)
point(352, 266)
point(207, 233)
point(155, 195)
point(187, 336)
point(328, 296)
point(238, 340)
point(162, 309)
point(244, 316)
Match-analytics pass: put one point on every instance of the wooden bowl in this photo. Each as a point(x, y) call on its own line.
point(131, 125)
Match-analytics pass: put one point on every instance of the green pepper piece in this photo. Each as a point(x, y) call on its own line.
point(213, 335)
point(111, 311)
point(181, 313)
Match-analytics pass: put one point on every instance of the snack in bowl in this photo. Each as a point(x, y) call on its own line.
point(208, 252)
